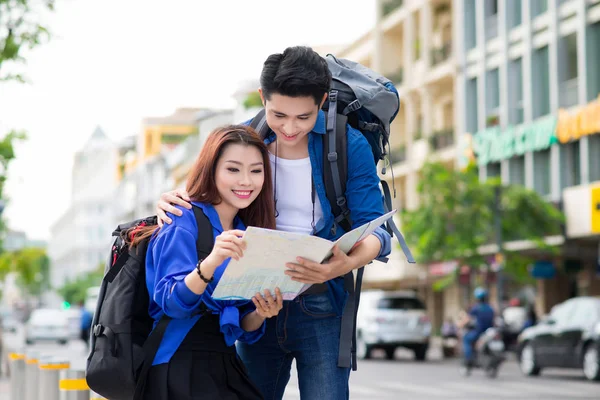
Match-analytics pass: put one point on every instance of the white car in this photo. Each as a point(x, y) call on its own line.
point(47, 324)
point(388, 320)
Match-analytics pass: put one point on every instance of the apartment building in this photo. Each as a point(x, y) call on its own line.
point(411, 44)
point(526, 93)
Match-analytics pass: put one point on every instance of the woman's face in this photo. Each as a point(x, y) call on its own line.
point(239, 175)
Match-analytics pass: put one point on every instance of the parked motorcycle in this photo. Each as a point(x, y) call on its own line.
point(488, 354)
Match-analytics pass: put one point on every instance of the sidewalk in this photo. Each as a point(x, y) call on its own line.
point(4, 388)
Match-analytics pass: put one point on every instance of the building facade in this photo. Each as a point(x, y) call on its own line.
point(526, 90)
point(80, 237)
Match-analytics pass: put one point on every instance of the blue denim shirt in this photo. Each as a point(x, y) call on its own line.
point(170, 257)
point(363, 194)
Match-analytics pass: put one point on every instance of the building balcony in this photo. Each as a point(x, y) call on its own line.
point(398, 154)
point(397, 76)
point(569, 93)
point(441, 54)
point(390, 6)
point(442, 139)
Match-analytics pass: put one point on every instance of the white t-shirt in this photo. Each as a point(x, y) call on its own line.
point(294, 199)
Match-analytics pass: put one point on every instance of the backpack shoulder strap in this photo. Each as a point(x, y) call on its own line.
point(204, 245)
point(335, 164)
point(205, 241)
point(259, 124)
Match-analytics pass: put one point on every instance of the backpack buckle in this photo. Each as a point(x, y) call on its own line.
point(98, 330)
point(333, 156)
point(342, 202)
point(333, 96)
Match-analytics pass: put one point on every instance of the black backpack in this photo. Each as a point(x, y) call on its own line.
point(368, 102)
point(123, 344)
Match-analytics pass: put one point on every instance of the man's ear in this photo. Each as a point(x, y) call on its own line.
point(262, 97)
point(323, 101)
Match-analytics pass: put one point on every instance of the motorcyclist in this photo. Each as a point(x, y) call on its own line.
point(477, 321)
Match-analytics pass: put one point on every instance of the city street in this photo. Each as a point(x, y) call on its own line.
point(405, 379)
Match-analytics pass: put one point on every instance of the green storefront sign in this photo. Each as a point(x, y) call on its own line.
point(493, 145)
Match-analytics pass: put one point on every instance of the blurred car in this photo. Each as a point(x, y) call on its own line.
point(8, 321)
point(91, 299)
point(569, 337)
point(47, 324)
point(388, 320)
point(73, 316)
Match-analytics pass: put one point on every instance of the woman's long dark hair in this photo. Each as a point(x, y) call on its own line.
point(201, 183)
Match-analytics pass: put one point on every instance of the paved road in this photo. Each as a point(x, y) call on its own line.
point(406, 379)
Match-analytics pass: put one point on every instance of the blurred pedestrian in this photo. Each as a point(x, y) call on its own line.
point(86, 324)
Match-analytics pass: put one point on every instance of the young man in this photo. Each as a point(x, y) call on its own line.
point(294, 86)
point(480, 318)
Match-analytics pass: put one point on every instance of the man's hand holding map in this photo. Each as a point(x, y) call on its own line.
point(263, 264)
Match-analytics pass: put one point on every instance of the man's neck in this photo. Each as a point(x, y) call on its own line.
point(298, 152)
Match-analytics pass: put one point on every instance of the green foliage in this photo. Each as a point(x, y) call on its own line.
point(20, 29)
point(456, 217)
point(253, 100)
point(32, 267)
point(74, 291)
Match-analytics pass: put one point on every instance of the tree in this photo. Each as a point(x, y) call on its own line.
point(75, 291)
point(20, 29)
point(456, 217)
point(31, 266)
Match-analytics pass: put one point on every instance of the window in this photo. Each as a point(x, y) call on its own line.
point(492, 90)
point(400, 303)
point(494, 170)
point(540, 82)
point(570, 168)
point(472, 106)
point(562, 312)
point(541, 172)
point(593, 60)
point(584, 314)
point(514, 13)
point(491, 19)
point(516, 168)
point(567, 71)
point(594, 159)
point(515, 92)
point(538, 7)
point(470, 25)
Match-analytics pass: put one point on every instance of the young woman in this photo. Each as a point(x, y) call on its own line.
point(231, 183)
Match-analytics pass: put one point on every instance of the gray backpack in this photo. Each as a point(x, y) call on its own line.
point(368, 102)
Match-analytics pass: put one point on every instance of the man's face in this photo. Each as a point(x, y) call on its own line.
point(291, 118)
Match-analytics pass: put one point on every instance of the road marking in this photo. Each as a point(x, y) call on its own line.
point(472, 386)
point(419, 389)
point(557, 388)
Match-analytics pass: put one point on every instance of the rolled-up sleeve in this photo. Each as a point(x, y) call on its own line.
point(362, 188)
point(231, 315)
point(174, 255)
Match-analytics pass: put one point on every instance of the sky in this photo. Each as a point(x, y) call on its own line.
point(111, 63)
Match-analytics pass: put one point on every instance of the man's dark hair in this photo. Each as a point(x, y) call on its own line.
point(297, 72)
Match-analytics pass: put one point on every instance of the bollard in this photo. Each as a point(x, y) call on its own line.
point(31, 375)
point(49, 369)
point(96, 396)
point(73, 386)
point(17, 375)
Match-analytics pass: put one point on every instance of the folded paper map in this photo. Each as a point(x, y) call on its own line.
point(263, 264)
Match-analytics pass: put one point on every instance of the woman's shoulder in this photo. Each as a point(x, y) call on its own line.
point(186, 221)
